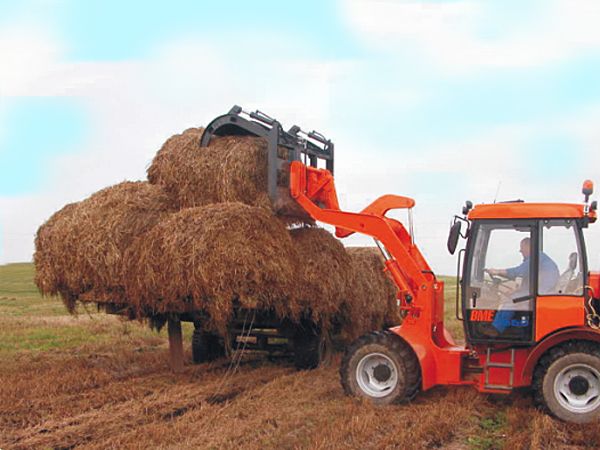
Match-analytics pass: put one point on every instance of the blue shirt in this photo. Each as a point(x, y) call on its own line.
point(548, 274)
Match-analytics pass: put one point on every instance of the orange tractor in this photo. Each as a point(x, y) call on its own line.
point(530, 320)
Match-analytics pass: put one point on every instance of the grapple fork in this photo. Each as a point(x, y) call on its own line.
point(283, 147)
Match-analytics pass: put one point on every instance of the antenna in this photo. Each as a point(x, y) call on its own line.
point(497, 190)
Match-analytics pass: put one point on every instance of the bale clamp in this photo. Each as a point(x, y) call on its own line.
point(283, 147)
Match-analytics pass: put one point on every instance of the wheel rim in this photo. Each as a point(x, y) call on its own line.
point(376, 375)
point(577, 388)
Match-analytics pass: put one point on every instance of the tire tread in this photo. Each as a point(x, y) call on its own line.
point(551, 356)
point(411, 368)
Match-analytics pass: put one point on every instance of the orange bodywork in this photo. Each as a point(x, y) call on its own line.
point(557, 312)
point(594, 284)
point(421, 295)
point(531, 211)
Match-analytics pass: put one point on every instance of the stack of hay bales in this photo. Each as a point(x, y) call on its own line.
point(201, 234)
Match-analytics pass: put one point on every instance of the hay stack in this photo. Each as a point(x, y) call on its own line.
point(371, 304)
point(324, 273)
point(231, 169)
point(79, 250)
point(201, 259)
point(202, 236)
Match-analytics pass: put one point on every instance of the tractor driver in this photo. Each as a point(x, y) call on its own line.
point(548, 277)
point(548, 273)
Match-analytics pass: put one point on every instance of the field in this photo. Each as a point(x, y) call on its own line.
point(95, 381)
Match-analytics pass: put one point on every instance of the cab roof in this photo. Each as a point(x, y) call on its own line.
point(522, 210)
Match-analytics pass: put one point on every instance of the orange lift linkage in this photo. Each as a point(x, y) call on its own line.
point(420, 293)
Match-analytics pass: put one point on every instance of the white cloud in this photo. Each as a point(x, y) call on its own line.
point(450, 33)
point(28, 53)
point(133, 107)
point(472, 169)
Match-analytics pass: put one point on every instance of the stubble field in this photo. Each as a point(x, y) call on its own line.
point(95, 381)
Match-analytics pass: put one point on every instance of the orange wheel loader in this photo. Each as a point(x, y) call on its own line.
point(529, 305)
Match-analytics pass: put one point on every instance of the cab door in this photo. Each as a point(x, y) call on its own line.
point(562, 276)
point(500, 308)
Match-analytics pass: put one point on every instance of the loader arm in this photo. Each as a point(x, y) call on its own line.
point(380, 207)
point(314, 190)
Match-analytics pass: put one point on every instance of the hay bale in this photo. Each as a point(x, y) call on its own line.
point(371, 304)
point(243, 169)
point(183, 173)
point(230, 169)
point(52, 270)
point(79, 250)
point(324, 273)
point(205, 258)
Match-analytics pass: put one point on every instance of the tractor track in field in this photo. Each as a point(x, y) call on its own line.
point(130, 399)
point(92, 407)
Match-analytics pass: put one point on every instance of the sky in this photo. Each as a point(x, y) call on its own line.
point(442, 101)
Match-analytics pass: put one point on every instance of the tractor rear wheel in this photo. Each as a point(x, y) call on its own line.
point(566, 382)
point(381, 367)
point(206, 346)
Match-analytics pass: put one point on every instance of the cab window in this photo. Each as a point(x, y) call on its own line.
point(498, 246)
point(499, 286)
point(560, 264)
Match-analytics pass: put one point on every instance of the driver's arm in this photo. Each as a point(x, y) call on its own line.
point(511, 273)
point(496, 272)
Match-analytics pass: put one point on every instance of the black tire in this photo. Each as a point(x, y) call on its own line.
point(312, 349)
point(206, 347)
point(399, 375)
point(566, 382)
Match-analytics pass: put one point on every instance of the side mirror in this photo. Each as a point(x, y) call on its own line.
point(453, 237)
point(468, 207)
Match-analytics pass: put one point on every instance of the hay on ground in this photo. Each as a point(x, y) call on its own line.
point(205, 258)
point(371, 304)
point(79, 249)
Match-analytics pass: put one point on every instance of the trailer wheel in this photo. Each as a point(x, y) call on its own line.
point(381, 367)
point(566, 382)
point(312, 348)
point(206, 347)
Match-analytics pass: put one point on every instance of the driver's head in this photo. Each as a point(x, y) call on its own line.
point(526, 247)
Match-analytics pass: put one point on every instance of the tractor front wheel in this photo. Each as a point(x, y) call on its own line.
point(567, 382)
point(382, 368)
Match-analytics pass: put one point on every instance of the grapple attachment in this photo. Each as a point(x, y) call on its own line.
point(283, 147)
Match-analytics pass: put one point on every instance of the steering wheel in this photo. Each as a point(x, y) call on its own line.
point(495, 282)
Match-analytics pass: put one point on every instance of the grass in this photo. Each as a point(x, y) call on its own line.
point(19, 295)
point(491, 434)
point(32, 323)
point(452, 324)
point(96, 381)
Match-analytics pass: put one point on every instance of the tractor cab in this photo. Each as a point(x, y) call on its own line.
point(525, 270)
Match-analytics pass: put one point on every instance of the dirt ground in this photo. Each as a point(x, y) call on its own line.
point(94, 381)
